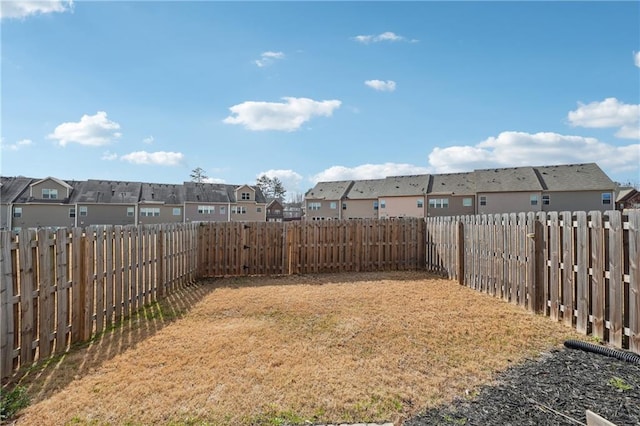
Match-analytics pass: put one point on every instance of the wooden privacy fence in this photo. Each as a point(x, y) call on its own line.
point(578, 268)
point(268, 248)
point(63, 287)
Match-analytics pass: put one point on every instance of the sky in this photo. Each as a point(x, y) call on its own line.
point(316, 91)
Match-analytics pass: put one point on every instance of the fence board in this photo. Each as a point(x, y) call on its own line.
point(616, 327)
point(6, 304)
point(582, 273)
point(566, 269)
point(634, 281)
point(597, 275)
point(62, 325)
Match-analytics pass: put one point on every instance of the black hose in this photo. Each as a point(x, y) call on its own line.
point(603, 350)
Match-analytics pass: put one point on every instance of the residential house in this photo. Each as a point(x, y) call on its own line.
point(361, 202)
point(10, 190)
point(161, 203)
point(103, 202)
point(206, 202)
point(507, 190)
point(403, 196)
point(571, 185)
point(325, 200)
point(628, 198)
point(451, 194)
point(250, 204)
point(44, 203)
point(275, 210)
point(292, 211)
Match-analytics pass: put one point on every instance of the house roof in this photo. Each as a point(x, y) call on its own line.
point(12, 187)
point(365, 189)
point(162, 193)
point(208, 192)
point(625, 194)
point(452, 183)
point(106, 192)
point(512, 179)
point(335, 190)
point(56, 180)
point(574, 177)
point(405, 185)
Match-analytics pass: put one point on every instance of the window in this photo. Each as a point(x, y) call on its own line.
point(375, 205)
point(150, 211)
point(314, 206)
point(483, 200)
point(439, 203)
point(84, 210)
point(131, 211)
point(606, 198)
point(467, 202)
point(534, 200)
point(344, 206)
point(246, 196)
point(17, 212)
point(239, 210)
point(420, 203)
point(72, 212)
point(206, 209)
point(546, 200)
point(333, 205)
point(383, 204)
point(223, 210)
point(177, 211)
point(50, 194)
point(259, 209)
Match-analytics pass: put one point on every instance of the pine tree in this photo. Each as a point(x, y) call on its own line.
point(198, 175)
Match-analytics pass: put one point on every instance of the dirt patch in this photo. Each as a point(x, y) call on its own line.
point(319, 349)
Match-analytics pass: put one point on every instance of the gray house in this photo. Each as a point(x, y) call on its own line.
point(324, 200)
point(10, 190)
point(452, 194)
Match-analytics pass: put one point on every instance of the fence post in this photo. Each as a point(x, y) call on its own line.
point(460, 257)
point(634, 286)
point(160, 264)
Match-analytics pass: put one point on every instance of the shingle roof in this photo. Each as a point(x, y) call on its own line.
point(365, 189)
point(335, 190)
point(405, 185)
point(208, 192)
point(453, 183)
point(160, 192)
point(574, 177)
point(106, 192)
point(12, 187)
point(507, 180)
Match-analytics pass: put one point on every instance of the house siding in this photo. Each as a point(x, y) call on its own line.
point(509, 202)
point(47, 215)
point(105, 214)
point(456, 206)
point(360, 209)
point(36, 189)
point(220, 212)
point(402, 207)
point(587, 200)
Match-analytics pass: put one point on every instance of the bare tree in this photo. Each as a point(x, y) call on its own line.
point(271, 187)
point(198, 175)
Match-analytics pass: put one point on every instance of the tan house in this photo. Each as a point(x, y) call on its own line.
point(100, 202)
point(10, 190)
point(361, 202)
point(250, 205)
point(403, 196)
point(507, 190)
point(215, 202)
point(568, 186)
point(325, 200)
point(451, 194)
point(161, 203)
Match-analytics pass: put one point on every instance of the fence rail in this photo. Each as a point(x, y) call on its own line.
point(578, 268)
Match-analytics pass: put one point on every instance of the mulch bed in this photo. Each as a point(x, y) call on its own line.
point(556, 389)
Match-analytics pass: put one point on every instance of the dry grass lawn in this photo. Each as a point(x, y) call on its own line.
point(323, 349)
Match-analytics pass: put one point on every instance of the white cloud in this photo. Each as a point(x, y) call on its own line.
point(160, 158)
point(381, 85)
point(511, 149)
point(608, 113)
point(286, 116)
point(267, 58)
point(16, 146)
point(23, 8)
point(386, 36)
point(367, 171)
point(636, 59)
point(214, 180)
point(91, 130)
point(109, 156)
point(148, 140)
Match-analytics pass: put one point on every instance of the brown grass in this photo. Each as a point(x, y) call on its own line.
point(324, 349)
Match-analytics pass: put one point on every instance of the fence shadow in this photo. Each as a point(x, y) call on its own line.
point(51, 375)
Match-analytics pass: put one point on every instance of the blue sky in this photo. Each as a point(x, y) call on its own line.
point(309, 91)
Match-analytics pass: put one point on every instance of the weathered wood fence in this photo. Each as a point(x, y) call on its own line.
point(63, 287)
point(578, 268)
point(235, 248)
